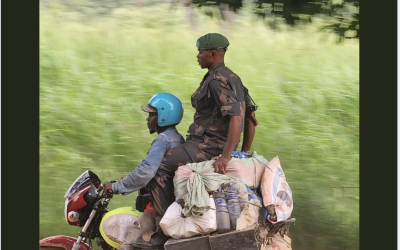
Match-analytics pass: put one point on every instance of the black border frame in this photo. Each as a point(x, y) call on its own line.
point(378, 125)
point(20, 125)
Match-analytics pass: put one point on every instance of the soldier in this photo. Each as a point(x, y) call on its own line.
point(220, 101)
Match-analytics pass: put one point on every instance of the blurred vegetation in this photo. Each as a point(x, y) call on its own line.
point(342, 15)
point(98, 65)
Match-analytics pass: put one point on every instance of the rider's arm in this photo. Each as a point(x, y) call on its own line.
point(145, 171)
point(226, 99)
point(250, 123)
point(235, 123)
point(248, 133)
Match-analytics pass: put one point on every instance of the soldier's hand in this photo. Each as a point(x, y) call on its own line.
point(221, 164)
point(108, 188)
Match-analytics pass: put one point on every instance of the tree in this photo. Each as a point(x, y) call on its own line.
point(345, 13)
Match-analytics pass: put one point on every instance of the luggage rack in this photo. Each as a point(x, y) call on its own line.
point(233, 240)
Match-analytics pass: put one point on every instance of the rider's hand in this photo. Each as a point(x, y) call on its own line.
point(220, 164)
point(108, 188)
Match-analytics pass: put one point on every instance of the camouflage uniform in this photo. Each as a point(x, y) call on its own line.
point(220, 94)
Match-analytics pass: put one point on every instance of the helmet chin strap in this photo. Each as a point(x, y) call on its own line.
point(155, 130)
point(158, 130)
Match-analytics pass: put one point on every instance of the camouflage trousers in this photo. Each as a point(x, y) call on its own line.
point(161, 186)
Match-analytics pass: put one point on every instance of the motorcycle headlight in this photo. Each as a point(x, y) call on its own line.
point(73, 216)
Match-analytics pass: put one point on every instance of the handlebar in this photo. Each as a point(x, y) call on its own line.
point(108, 193)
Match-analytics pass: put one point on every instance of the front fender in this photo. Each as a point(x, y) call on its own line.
point(63, 241)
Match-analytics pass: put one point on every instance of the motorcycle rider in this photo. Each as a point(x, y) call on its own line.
point(223, 108)
point(165, 112)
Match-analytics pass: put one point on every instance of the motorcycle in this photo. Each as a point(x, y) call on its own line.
point(86, 206)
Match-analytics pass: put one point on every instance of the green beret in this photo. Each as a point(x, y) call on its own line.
point(212, 41)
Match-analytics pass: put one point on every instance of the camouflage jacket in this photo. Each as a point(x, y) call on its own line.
point(221, 94)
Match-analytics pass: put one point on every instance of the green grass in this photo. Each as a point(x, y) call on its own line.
point(96, 71)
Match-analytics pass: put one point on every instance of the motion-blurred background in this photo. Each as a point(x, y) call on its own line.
point(101, 59)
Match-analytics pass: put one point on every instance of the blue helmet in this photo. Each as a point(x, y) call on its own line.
point(169, 109)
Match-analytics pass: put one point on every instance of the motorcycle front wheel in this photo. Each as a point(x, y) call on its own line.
point(51, 248)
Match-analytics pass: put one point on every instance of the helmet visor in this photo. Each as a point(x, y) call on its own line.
point(149, 109)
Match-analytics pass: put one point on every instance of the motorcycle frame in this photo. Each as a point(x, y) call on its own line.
point(71, 243)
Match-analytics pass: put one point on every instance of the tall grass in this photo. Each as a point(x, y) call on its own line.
point(96, 71)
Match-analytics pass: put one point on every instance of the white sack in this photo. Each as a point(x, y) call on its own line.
point(173, 224)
